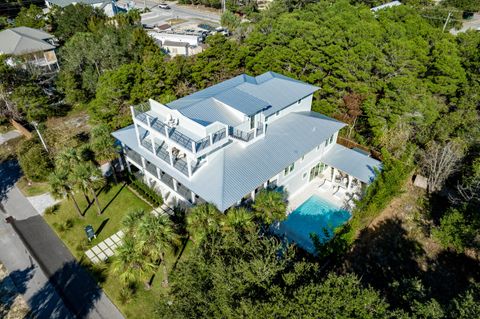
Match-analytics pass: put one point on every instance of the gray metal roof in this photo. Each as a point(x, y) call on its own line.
point(23, 40)
point(64, 3)
point(210, 110)
point(268, 92)
point(175, 43)
point(236, 170)
point(352, 162)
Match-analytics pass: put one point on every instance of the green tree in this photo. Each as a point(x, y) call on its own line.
point(103, 145)
point(229, 20)
point(32, 17)
point(34, 160)
point(270, 206)
point(465, 5)
point(60, 187)
point(32, 101)
point(88, 177)
point(239, 219)
point(202, 220)
point(129, 263)
point(455, 231)
point(157, 238)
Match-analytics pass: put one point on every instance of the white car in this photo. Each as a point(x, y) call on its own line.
point(164, 6)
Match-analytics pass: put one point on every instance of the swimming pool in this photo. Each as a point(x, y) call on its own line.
point(313, 216)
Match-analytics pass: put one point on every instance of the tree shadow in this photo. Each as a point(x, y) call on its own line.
point(384, 255)
point(10, 173)
point(385, 258)
point(102, 225)
point(113, 198)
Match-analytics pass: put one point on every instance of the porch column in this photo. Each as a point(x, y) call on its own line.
point(175, 188)
point(128, 166)
point(144, 165)
point(189, 166)
point(252, 195)
point(137, 132)
point(193, 197)
point(159, 174)
point(265, 184)
point(170, 155)
point(349, 182)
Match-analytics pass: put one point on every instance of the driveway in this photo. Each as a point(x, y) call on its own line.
point(42, 268)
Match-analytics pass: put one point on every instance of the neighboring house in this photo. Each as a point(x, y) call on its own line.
point(386, 5)
point(225, 143)
point(263, 4)
point(26, 46)
point(173, 48)
point(108, 6)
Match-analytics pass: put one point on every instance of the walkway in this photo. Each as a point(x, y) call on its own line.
point(9, 136)
point(106, 248)
point(54, 284)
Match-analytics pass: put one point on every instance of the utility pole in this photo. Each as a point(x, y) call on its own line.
point(223, 6)
point(446, 21)
point(35, 125)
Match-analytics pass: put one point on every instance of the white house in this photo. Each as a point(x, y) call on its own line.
point(108, 6)
point(225, 143)
point(26, 46)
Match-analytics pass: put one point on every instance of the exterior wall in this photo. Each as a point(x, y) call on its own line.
point(175, 50)
point(305, 105)
point(163, 36)
point(295, 179)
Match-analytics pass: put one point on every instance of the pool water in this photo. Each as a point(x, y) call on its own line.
point(315, 215)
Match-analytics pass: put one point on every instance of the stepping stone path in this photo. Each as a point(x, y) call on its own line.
point(105, 249)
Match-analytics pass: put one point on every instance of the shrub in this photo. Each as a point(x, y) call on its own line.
point(34, 160)
point(52, 209)
point(146, 192)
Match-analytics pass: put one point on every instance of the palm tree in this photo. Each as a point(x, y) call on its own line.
point(67, 161)
point(88, 177)
point(103, 145)
point(157, 236)
point(61, 188)
point(131, 220)
point(129, 263)
point(239, 219)
point(270, 206)
point(202, 220)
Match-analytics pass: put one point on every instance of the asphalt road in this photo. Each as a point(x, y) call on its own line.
point(43, 269)
point(160, 16)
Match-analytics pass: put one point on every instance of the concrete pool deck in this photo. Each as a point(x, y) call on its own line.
point(313, 188)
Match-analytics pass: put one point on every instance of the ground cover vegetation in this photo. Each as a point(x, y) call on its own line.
point(406, 89)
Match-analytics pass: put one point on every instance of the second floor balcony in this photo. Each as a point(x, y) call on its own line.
point(172, 132)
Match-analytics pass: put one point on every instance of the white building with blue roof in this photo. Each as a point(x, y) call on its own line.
point(225, 143)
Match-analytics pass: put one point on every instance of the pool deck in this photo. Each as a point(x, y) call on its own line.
point(313, 188)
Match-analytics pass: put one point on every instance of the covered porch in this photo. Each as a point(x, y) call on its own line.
point(341, 178)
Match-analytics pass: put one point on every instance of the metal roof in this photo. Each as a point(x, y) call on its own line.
point(23, 40)
point(352, 162)
point(269, 92)
point(210, 110)
point(175, 44)
point(236, 170)
point(64, 3)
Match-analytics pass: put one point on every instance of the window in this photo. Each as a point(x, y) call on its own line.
point(252, 121)
point(304, 175)
point(331, 140)
point(277, 113)
point(289, 169)
point(298, 102)
point(303, 157)
point(318, 146)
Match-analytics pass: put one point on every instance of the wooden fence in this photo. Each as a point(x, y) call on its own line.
point(21, 129)
point(351, 144)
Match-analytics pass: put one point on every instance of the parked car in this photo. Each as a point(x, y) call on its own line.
point(164, 6)
point(207, 27)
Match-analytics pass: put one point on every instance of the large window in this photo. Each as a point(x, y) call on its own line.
point(317, 170)
point(289, 169)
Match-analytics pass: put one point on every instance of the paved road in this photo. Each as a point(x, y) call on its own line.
point(160, 16)
point(52, 282)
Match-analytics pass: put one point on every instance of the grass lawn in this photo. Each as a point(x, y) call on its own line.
point(33, 189)
point(70, 228)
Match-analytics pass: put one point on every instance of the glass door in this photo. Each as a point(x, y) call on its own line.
point(316, 170)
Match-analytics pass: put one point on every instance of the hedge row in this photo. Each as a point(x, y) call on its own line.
point(146, 192)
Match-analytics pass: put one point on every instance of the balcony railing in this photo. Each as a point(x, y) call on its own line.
point(172, 133)
point(247, 136)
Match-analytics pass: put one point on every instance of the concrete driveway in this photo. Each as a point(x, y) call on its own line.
point(43, 269)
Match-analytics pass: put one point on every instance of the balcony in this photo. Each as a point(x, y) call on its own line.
point(247, 136)
point(175, 135)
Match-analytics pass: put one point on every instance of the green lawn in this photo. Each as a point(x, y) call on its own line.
point(33, 189)
point(122, 200)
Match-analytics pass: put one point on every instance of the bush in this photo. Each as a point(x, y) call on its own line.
point(34, 160)
point(52, 209)
point(69, 223)
point(146, 192)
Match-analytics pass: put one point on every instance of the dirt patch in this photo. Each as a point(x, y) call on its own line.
point(70, 131)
